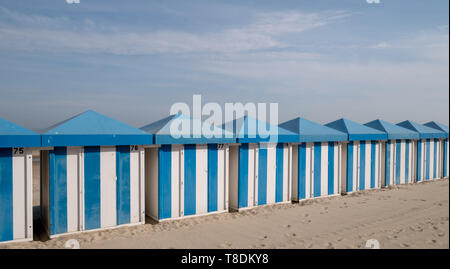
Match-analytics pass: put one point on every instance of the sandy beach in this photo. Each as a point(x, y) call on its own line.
point(406, 216)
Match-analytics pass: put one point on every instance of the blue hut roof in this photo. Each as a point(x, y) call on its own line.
point(424, 131)
point(93, 129)
point(163, 135)
point(246, 130)
point(356, 131)
point(310, 131)
point(13, 135)
point(393, 131)
point(437, 126)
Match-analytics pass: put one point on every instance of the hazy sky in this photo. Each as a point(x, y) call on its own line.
point(132, 60)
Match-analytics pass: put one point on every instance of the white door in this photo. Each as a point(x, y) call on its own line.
point(201, 184)
point(108, 180)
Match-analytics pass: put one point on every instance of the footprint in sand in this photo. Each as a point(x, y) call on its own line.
point(225, 245)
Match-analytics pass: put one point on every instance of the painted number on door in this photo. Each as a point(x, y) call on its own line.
point(18, 151)
point(134, 148)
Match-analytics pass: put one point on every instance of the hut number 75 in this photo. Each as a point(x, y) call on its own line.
point(18, 151)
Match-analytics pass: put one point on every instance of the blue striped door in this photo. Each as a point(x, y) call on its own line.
point(397, 161)
point(58, 190)
point(372, 163)
point(407, 161)
point(212, 177)
point(190, 167)
point(419, 161)
point(123, 184)
point(279, 173)
point(444, 168)
point(350, 150)
point(387, 172)
point(427, 159)
point(6, 195)
point(302, 171)
point(331, 168)
point(262, 176)
point(435, 159)
point(165, 182)
point(362, 165)
point(92, 188)
point(317, 168)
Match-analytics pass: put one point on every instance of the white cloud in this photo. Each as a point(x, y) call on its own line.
point(381, 45)
point(262, 33)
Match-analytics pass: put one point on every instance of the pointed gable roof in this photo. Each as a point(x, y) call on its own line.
point(247, 130)
point(13, 135)
point(163, 134)
point(91, 128)
point(424, 131)
point(438, 126)
point(310, 131)
point(393, 131)
point(356, 131)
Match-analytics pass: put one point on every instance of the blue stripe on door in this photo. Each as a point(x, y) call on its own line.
point(279, 172)
point(330, 168)
point(190, 165)
point(6, 195)
point(212, 177)
point(165, 182)
point(58, 190)
point(407, 161)
point(92, 187)
point(317, 168)
point(123, 184)
point(302, 171)
point(427, 159)
point(362, 165)
point(387, 172)
point(372, 164)
point(397, 161)
point(262, 176)
point(349, 183)
point(419, 161)
point(444, 168)
point(243, 176)
point(435, 160)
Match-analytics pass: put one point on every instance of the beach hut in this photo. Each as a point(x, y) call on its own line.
point(92, 174)
point(428, 150)
point(444, 145)
point(261, 165)
point(16, 181)
point(398, 152)
point(186, 172)
point(363, 164)
point(317, 167)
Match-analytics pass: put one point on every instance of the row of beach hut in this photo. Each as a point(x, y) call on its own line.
point(97, 172)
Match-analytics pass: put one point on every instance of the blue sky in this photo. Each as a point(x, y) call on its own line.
point(132, 60)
